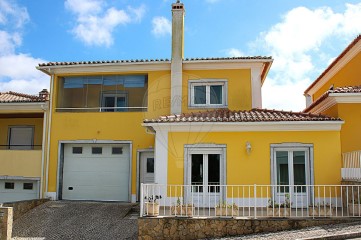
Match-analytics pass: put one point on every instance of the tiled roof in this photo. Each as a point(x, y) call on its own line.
point(348, 48)
point(254, 115)
point(152, 60)
point(348, 89)
point(14, 97)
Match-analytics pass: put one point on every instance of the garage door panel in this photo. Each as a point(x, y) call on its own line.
point(18, 193)
point(96, 176)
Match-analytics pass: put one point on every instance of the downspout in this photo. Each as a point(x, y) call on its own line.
point(49, 130)
point(43, 153)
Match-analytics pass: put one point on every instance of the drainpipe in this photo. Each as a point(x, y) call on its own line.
point(43, 153)
point(49, 130)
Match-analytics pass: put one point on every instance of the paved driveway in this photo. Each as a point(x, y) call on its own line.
point(77, 220)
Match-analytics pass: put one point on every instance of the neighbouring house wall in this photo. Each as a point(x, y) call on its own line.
point(351, 130)
point(187, 228)
point(239, 87)
point(5, 123)
point(254, 168)
point(347, 76)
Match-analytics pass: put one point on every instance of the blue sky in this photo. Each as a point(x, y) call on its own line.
point(303, 37)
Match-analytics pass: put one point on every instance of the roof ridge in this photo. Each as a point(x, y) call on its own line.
point(23, 95)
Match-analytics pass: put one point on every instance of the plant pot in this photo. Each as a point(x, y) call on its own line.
point(229, 212)
point(278, 212)
point(151, 209)
point(182, 210)
point(354, 209)
point(320, 211)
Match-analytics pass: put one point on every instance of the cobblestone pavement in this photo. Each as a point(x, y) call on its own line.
point(321, 232)
point(76, 220)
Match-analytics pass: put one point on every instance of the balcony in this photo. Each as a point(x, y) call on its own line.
point(250, 201)
point(351, 168)
point(20, 161)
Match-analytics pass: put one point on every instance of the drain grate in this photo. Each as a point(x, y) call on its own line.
point(57, 206)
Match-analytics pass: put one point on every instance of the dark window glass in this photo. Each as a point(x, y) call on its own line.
point(150, 165)
point(77, 150)
point(28, 186)
point(216, 94)
point(199, 94)
point(9, 185)
point(117, 150)
point(109, 103)
point(97, 150)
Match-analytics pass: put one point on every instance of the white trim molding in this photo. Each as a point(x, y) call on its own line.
point(335, 98)
point(19, 107)
point(246, 126)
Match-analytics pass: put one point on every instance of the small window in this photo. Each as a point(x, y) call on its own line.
point(77, 150)
point(150, 165)
point(208, 93)
point(97, 150)
point(28, 186)
point(9, 185)
point(117, 150)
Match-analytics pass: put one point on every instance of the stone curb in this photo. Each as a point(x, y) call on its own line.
point(334, 237)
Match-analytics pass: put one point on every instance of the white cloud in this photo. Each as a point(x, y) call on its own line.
point(95, 23)
point(297, 44)
point(17, 70)
point(234, 52)
point(161, 26)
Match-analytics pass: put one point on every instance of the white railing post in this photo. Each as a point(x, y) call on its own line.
point(141, 200)
point(255, 200)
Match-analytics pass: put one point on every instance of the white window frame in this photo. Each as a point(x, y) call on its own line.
point(114, 95)
point(208, 83)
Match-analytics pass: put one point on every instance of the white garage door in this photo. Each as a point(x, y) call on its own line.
point(17, 190)
point(96, 172)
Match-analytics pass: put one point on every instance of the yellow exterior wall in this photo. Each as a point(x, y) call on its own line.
point(26, 163)
point(255, 168)
point(109, 125)
point(239, 87)
point(347, 76)
point(351, 130)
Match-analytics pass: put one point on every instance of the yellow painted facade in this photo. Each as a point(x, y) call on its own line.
point(255, 168)
point(24, 163)
point(349, 75)
point(127, 125)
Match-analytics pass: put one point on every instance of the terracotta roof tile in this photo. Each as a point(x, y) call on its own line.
point(348, 48)
point(151, 60)
point(347, 89)
point(254, 115)
point(14, 97)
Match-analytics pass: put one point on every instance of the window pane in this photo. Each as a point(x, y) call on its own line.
point(299, 170)
point(213, 172)
point(28, 186)
point(216, 94)
point(77, 150)
point(150, 165)
point(109, 103)
point(9, 185)
point(282, 170)
point(199, 94)
point(197, 172)
point(117, 150)
point(121, 104)
point(97, 150)
point(21, 138)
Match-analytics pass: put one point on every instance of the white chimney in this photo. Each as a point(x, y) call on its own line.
point(177, 56)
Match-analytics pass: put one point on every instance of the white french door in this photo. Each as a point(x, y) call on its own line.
point(291, 172)
point(204, 176)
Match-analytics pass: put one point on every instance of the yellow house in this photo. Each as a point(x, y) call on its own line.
point(337, 92)
point(199, 121)
point(22, 121)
